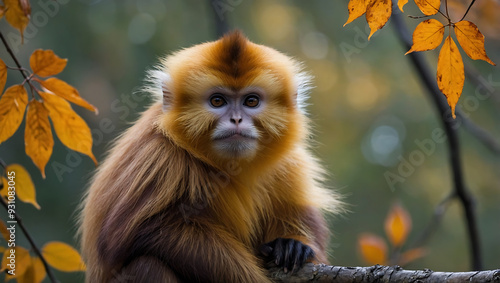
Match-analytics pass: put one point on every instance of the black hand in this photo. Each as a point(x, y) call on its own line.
point(287, 253)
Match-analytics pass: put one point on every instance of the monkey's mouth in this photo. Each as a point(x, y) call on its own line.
point(234, 135)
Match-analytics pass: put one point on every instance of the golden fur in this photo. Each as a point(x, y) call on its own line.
point(164, 199)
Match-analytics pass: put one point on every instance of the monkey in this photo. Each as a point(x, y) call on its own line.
point(215, 181)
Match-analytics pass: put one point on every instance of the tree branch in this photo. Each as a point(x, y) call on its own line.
point(453, 142)
point(378, 273)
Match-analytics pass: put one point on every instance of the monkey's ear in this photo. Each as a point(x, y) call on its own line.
point(303, 88)
point(160, 87)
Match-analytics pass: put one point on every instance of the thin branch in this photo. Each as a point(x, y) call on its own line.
point(453, 142)
point(378, 273)
point(480, 134)
point(30, 240)
point(221, 25)
point(466, 12)
point(21, 69)
point(435, 220)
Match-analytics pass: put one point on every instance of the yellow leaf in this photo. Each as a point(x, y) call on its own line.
point(12, 106)
point(378, 13)
point(70, 128)
point(3, 75)
point(4, 231)
point(450, 73)
point(412, 255)
point(401, 4)
point(15, 15)
point(45, 63)
point(471, 40)
point(2, 11)
point(35, 273)
point(63, 257)
point(22, 261)
point(66, 91)
point(25, 189)
point(428, 7)
point(38, 138)
point(427, 35)
point(356, 9)
point(397, 225)
point(373, 249)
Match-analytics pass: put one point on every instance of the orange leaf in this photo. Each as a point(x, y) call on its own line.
point(25, 189)
point(38, 138)
point(12, 106)
point(66, 91)
point(70, 128)
point(63, 257)
point(3, 75)
point(427, 35)
point(471, 40)
point(397, 225)
point(39, 269)
point(2, 11)
point(401, 4)
point(356, 9)
point(412, 255)
point(450, 72)
point(378, 13)
point(45, 63)
point(15, 15)
point(428, 7)
point(22, 258)
point(3, 229)
point(373, 249)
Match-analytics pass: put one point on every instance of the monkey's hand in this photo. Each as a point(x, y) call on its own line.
point(288, 254)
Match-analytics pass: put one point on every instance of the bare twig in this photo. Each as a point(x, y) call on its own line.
point(466, 12)
point(378, 273)
point(453, 142)
point(21, 69)
point(221, 25)
point(30, 240)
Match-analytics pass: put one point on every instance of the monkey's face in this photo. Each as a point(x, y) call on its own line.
point(235, 134)
point(232, 99)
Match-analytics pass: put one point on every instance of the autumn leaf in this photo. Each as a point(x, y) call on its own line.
point(70, 128)
point(373, 249)
point(12, 106)
point(450, 73)
point(378, 13)
point(401, 4)
point(15, 14)
point(356, 8)
point(428, 7)
point(3, 230)
point(471, 40)
point(2, 11)
point(3, 75)
point(45, 63)
point(427, 36)
point(38, 138)
point(66, 91)
point(397, 225)
point(23, 260)
point(25, 189)
point(35, 272)
point(63, 257)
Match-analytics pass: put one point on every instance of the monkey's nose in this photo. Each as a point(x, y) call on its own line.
point(236, 120)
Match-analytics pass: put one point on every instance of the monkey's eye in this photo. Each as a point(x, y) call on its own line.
point(217, 101)
point(251, 101)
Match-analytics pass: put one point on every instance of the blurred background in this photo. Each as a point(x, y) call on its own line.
point(369, 109)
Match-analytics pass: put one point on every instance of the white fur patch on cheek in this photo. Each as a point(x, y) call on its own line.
point(158, 85)
point(303, 84)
